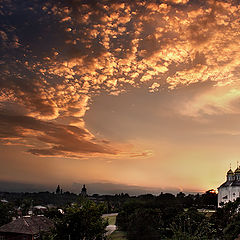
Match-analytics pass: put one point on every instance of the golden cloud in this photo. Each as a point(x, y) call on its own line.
point(218, 100)
point(81, 49)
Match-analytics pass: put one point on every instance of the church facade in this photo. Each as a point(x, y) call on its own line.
point(229, 190)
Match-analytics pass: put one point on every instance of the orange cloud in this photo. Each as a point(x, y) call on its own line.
point(51, 139)
point(80, 50)
point(218, 100)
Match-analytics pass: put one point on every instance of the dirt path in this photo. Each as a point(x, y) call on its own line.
point(110, 229)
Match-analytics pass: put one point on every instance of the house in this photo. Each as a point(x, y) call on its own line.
point(26, 228)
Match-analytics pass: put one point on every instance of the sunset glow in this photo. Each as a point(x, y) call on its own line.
point(134, 96)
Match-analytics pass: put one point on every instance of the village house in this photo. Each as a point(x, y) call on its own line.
point(26, 228)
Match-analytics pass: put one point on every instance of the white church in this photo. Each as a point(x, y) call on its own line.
point(230, 190)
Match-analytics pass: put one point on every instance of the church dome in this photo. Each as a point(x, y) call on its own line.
point(237, 170)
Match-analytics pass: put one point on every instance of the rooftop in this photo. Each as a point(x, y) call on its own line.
point(28, 225)
point(231, 183)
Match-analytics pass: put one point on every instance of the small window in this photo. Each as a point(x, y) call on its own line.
point(233, 194)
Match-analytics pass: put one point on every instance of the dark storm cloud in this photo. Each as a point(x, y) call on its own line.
point(111, 188)
point(7, 186)
point(54, 139)
point(92, 188)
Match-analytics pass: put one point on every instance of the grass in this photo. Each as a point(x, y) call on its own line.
point(111, 220)
point(117, 235)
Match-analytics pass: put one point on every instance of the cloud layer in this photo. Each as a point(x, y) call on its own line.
point(57, 55)
point(56, 139)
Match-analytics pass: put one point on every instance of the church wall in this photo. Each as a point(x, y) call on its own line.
point(226, 194)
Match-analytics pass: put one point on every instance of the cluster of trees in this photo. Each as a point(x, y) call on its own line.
point(145, 219)
point(7, 211)
point(150, 224)
point(80, 221)
point(207, 200)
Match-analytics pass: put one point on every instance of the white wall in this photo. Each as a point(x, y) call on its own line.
point(232, 193)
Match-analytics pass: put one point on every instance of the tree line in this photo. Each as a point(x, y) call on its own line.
point(145, 217)
point(166, 217)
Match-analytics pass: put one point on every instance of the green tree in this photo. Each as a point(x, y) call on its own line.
point(6, 213)
point(226, 220)
point(53, 214)
point(232, 230)
point(192, 225)
point(145, 224)
point(80, 221)
point(26, 206)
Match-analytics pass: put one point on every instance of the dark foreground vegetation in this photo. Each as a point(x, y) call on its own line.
point(180, 218)
point(146, 217)
point(79, 221)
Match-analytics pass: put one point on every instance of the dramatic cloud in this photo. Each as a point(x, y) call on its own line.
point(57, 55)
point(51, 138)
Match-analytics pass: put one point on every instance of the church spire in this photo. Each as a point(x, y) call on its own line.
point(237, 172)
point(84, 191)
point(58, 190)
point(230, 175)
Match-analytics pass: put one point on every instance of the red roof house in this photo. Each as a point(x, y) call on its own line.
point(26, 228)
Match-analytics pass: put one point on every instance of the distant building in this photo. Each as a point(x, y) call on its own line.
point(26, 228)
point(84, 191)
point(58, 190)
point(230, 190)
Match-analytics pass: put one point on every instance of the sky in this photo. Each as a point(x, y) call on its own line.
point(124, 96)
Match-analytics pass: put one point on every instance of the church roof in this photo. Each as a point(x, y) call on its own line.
point(235, 183)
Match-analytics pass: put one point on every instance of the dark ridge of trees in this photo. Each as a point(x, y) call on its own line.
point(179, 218)
point(80, 221)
